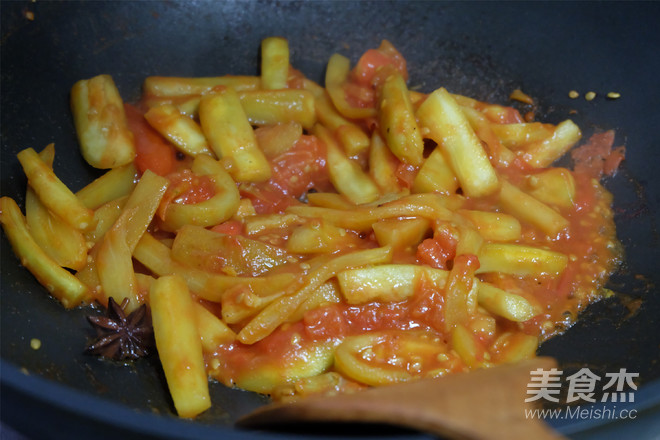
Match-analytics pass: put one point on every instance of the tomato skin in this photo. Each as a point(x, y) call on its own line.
point(437, 251)
point(153, 151)
point(229, 227)
point(300, 168)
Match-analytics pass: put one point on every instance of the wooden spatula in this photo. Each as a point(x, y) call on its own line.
point(483, 404)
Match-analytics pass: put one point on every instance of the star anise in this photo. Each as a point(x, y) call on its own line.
point(122, 337)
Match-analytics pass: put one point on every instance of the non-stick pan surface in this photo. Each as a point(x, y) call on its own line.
point(484, 50)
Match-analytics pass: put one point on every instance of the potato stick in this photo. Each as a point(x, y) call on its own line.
point(464, 343)
point(157, 258)
point(62, 242)
point(115, 183)
point(520, 135)
point(482, 127)
point(387, 282)
point(397, 121)
point(212, 331)
point(104, 217)
point(198, 247)
point(319, 236)
point(429, 206)
point(279, 310)
point(184, 133)
point(470, 240)
point(179, 345)
point(460, 287)
point(493, 226)
point(543, 153)
point(555, 186)
point(435, 175)
point(264, 377)
point(222, 206)
point(263, 107)
point(447, 125)
point(327, 293)
point(231, 136)
point(351, 137)
point(528, 209)
point(329, 200)
point(279, 138)
point(274, 63)
point(59, 282)
point(98, 114)
point(259, 224)
point(507, 305)
point(345, 174)
point(416, 98)
point(383, 165)
point(335, 75)
point(114, 264)
point(143, 203)
point(520, 260)
point(164, 86)
point(350, 361)
point(403, 234)
point(517, 347)
point(53, 193)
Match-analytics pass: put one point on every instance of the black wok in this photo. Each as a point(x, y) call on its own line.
point(484, 50)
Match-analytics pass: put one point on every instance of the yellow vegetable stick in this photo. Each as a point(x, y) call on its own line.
point(351, 137)
point(114, 264)
point(143, 203)
point(387, 282)
point(59, 282)
point(435, 175)
point(279, 310)
point(179, 345)
point(184, 133)
point(543, 153)
point(520, 260)
point(403, 234)
point(231, 136)
point(276, 139)
point(493, 226)
point(263, 107)
point(164, 86)
point(209, 286)
point(518, 136)
point(554, 186)
point(112, 185)
point(528, 209)
point(98, 114)
point(447, 125)
point(350, 361)
point(62, 242)
point(274, 63)
point(430, 206)
point(212, 331)
point(463, 342)
point(345, 174)
point(336, 75)
point(222, 206)
point(383, 165)
point(397, 121)
point(53, 193)
point(502, 303)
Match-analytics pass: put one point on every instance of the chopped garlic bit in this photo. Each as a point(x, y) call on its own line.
point(573, 94)
point(35, 343)
point(614, 95)
point(589, 96)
